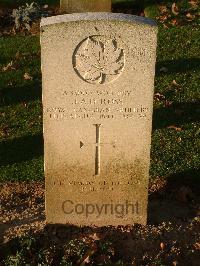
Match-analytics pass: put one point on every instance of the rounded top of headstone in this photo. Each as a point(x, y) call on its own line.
point(92, 16)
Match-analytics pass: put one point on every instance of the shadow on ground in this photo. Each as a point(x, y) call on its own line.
point(178, 200)
point(129, 6)
point(181, 65)
point(176, 114)
point(21, 149)
point(26, 93)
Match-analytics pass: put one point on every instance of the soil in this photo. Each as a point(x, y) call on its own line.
point(172, 233)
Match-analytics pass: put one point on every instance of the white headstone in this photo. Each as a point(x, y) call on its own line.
point(98, 83)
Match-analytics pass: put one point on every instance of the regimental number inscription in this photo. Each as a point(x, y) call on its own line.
point(98, 60)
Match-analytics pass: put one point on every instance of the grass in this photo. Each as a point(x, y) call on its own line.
point(176, 133)
point(20, 111)
point(175, 151)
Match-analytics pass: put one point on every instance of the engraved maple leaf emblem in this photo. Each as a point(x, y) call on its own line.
point(97, 60)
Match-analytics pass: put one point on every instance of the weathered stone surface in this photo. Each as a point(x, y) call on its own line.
point(71, 6)
point(98, 82)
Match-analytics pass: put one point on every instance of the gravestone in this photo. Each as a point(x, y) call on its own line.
point(71, 6)
point(98, 83)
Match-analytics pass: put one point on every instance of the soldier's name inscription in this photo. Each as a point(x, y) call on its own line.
point(92, 105)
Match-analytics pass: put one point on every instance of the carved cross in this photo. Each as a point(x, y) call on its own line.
point(98, 145)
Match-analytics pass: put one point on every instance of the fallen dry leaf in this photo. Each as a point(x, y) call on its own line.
point(163, 9)
point(86, 261)
point(163, 18)
point(176, 128)
point(158, 96)
point(175, 9)
point(165, 26)
point(24, 104)
point(197, 246)
point(174, 22)
point(86, 258)
point(8, 67)
point(193, 3)
point(95, 237)
point(175, 83)
point(190, 17)
point(27, 76)
point(162, 246)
